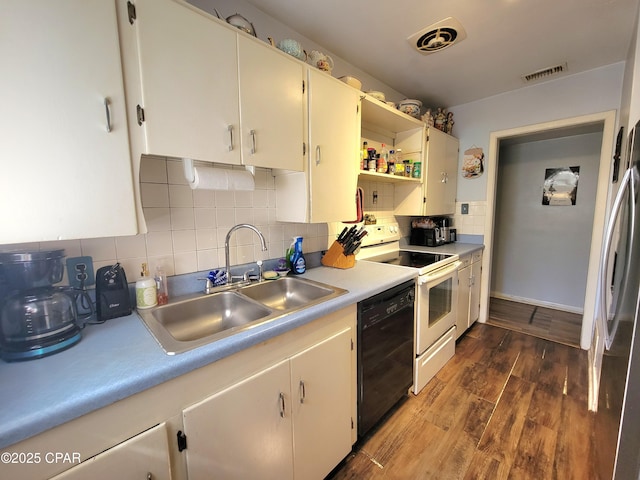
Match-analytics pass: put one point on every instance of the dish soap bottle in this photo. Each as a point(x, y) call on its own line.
point(161, 285)
point(298, 263)
point(146, 296)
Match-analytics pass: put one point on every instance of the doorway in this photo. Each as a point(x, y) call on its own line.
point(603, 122)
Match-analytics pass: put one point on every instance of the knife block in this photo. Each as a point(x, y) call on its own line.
point(335, 257)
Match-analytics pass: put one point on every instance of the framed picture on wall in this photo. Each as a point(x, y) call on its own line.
point(560, 186)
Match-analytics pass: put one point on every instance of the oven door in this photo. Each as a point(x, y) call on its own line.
point(436, 305)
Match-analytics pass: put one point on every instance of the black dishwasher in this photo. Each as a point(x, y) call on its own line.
point(385, 352)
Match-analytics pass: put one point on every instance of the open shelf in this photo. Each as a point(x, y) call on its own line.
point(385, 177)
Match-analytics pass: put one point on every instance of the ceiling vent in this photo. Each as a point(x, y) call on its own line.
point(544, 73)
point(438, 36)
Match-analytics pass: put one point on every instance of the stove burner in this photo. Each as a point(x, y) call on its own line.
point(410, 259)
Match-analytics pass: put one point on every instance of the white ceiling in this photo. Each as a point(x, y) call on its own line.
point(505, 40)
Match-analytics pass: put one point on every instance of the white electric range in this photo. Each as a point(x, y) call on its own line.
point(436, 296)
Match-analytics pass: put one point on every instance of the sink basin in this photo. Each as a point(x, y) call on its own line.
point(208, 315)
point(286, 293)
point(197, 320)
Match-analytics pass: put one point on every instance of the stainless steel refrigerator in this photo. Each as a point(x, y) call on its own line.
point(617, 432)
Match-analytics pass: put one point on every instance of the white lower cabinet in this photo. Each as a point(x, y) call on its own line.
point(282, 409)
point(145, 456)
point(469, 291)
point(291, 420)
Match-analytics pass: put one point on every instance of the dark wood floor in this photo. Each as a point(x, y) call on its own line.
point(506, 406)
point(541, 322)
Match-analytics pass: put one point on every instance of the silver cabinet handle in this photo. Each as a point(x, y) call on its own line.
point(281, 396)
point(107, 108)
point(253, 141)
point(303, 393)
point(230, 130)
point(149, 476)
point(318, 155)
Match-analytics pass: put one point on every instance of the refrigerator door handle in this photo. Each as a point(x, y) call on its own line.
point(604, 308)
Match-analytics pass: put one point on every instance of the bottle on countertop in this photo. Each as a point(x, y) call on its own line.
point(146, 291)
point(161, 286)
point(297, 261)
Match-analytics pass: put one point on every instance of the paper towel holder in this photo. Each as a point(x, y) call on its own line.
point(190, 174)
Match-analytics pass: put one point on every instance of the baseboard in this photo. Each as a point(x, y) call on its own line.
point(539, 303)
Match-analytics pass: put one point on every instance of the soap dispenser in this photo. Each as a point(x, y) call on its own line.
point(146, 290)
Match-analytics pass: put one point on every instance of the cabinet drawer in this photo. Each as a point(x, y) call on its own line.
point(476, 256)
point(430, 362)
point(465, 261)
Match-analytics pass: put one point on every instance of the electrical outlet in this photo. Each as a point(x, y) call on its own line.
point(80, 272)
point(464, 209)
point(375, 197)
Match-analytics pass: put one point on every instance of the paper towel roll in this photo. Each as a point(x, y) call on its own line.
point(212, 178)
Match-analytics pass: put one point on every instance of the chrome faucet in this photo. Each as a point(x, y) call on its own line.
point(227, 266)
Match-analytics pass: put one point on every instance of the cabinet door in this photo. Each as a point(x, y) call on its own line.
point(474, 299)
point(65, 173)
point(441, 173)
point(144, 456)
point(188, 69)
point(321, 395)
point(334, 137)
point(244, 431)
point(271, 106)
point(464, 282)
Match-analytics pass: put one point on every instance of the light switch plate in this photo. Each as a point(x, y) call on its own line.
point(464, 209)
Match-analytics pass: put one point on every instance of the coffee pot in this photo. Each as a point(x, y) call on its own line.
point(36, 318)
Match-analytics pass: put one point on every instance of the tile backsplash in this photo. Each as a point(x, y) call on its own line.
point(187, 228)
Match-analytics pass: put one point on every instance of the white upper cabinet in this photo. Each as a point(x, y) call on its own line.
point(66, 166)
point(437, 195)
point(333, 148)
point(189, 75)
point(326, 190)
point(271, 106)
point(441, 173)
point(204, 90)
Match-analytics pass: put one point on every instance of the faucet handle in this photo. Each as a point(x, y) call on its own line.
point(245, 276)
point(207, 286)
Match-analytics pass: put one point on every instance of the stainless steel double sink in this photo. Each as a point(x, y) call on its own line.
point(198, 320)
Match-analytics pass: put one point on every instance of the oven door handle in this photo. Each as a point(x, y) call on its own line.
point(439, 274)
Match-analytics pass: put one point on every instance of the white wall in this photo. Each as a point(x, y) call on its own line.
point(541, 253)
point(594, 91)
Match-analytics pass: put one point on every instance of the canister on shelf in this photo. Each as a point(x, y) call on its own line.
point(408, 166)
point(417, 170)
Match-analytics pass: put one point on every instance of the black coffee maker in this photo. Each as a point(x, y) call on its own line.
point(36, 318)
